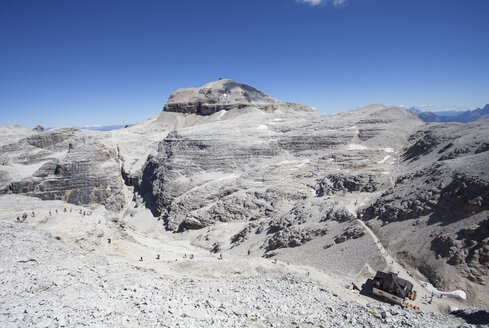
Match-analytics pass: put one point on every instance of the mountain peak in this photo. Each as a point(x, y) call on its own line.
point(223, 94)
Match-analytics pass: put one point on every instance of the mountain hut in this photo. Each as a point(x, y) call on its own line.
point(389, 286)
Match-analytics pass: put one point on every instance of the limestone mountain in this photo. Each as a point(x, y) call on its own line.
point(223, 94)
point(291, 183)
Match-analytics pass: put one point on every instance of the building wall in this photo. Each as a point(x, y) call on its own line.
point(388, 296)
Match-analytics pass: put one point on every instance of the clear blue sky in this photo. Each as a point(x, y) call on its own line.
point(85, 62)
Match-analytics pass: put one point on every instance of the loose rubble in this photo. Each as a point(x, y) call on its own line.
point(45, 283)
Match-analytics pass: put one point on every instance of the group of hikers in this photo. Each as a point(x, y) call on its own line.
point(24, 217)
point(65, 210)
point(192, 256)
point(109, 240)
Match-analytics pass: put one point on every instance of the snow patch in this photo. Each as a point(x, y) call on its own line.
point(460, 294)
point(385, 172)
point(356, 147)
point(262, 127)
point(304, 162)
point(285, 162)
point(383, 161)
point(221, 114)
point(107, 164)
point(387, 150)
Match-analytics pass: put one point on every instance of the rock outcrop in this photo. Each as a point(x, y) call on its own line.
point(442, 190)
point(67, 164)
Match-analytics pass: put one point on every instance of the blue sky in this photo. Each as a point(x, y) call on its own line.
point(87, 62)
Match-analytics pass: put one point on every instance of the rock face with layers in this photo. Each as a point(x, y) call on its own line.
point(261, 163)
point(67, 164)
point(223, 94)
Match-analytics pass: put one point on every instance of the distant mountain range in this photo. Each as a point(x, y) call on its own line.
point(452, 116)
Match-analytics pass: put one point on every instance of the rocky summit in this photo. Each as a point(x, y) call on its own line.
point(226, 169)
point(223, 94)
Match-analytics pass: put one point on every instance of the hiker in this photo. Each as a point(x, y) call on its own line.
point(220, 257)
point(50, 214)
point(24, 216)
point(185, 255)
point(18, 219)
point(157, 256)
point(108, 239)
point(192, 256)
point(141, 259)
point(249, 252)
point(70, 210)
point(64, 209)
point(33, 214)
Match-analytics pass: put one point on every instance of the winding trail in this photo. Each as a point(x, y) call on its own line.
point(392, 265)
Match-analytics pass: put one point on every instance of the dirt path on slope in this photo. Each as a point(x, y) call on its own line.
point(423, 295)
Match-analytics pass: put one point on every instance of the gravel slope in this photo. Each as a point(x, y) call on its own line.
point(46, 283)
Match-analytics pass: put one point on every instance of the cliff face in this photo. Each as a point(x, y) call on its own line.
point(261, 163)
point(67, 164)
